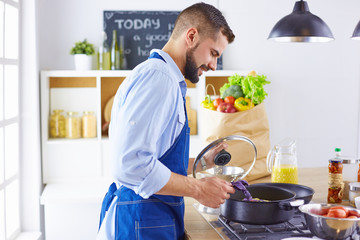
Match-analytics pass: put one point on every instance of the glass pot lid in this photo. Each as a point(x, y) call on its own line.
point(240, 151)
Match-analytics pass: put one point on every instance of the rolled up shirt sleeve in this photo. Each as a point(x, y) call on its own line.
point(144, 124)
point(154, 181)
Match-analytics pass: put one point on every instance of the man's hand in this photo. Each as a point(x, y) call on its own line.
point(210, 191)
point(209, 158)
point(214, 191)
point(210, 155)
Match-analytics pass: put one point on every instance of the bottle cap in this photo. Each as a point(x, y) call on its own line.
point(337, 149)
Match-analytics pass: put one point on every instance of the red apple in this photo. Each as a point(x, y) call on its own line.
point(226, 108)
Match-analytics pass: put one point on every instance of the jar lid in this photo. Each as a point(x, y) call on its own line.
point(354, 186)
point(88, 112)
point(335, 160)
point(72, 113)
point(58, 110)
point(350, 160)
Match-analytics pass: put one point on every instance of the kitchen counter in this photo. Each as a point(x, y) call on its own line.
point(198, 228)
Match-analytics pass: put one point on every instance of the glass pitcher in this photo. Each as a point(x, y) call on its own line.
point(282, 162)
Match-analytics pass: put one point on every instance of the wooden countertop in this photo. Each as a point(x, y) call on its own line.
point(198, 228)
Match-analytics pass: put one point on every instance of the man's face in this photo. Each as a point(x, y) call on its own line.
point(203, 56)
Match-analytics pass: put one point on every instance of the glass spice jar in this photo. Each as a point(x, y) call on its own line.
point(88, 123)
point(57, 124)
point(354, 191)
point(72, 125)
point(336, 185)
point(349, 173)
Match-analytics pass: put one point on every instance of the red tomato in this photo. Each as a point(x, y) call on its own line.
point(351, 217)
point(354, 213)
point(217, 102)
point(229, 99)
point(342, 208)
point(336, 213)
point(324, 211)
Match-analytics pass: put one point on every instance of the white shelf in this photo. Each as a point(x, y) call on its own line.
point(75, 193)
point(71, 140)
point(90, 73)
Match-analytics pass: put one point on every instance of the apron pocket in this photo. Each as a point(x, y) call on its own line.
point(155, 229)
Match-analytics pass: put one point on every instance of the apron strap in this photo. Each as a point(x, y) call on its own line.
point(107, 201)
point(156, 55)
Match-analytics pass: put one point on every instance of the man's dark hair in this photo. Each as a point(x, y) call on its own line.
point(207, 19)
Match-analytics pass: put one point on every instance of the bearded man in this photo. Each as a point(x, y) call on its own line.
point(149, 134)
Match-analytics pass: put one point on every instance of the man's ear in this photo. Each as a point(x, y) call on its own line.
point(192, 37)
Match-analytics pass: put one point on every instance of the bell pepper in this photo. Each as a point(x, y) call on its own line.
point(242, 104)
point(207, 103)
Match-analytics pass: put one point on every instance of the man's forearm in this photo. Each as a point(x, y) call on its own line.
point(179, 185)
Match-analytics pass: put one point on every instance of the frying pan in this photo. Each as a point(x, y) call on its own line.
point(280, 207)
point(301, 192)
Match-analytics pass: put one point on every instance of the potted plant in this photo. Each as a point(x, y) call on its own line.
point(83, 52)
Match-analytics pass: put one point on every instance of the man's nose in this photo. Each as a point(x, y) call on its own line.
point(213, 64)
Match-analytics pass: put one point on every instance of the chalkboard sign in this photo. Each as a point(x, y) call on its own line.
point(142, 31)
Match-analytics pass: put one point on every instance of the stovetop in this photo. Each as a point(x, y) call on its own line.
point(228, 230)
point(295, 227)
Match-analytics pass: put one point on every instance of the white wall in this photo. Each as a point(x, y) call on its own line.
point(314, 90)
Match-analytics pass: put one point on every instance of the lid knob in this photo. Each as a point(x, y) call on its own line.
point(222, 158)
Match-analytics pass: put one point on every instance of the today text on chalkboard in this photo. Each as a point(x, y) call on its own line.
point(142, 31)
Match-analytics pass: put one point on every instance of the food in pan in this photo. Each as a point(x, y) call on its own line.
point(258, 200)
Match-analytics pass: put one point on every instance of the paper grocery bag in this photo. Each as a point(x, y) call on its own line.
point(251, 123)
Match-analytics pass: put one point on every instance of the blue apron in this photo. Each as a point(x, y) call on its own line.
point(159, 216)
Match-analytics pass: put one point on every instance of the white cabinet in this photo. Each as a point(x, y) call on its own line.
point(77, 171)
point(69, 160)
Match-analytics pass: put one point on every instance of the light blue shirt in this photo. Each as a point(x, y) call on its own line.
point(146, 118)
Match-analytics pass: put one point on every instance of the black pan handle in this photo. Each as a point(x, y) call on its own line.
point(287, 206)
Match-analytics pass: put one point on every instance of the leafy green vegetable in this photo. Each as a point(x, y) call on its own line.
point(253, 88)
point(233, 90)
point(223, 88)
point(233, 80)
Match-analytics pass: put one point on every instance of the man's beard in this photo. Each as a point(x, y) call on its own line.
point(191, 70)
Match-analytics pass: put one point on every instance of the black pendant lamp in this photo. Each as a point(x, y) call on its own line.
point(301, 26)
point(356, 34)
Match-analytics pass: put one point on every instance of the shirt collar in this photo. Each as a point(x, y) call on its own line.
point(174, 68)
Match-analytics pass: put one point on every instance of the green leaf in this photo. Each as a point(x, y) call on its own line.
point(253, 88)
